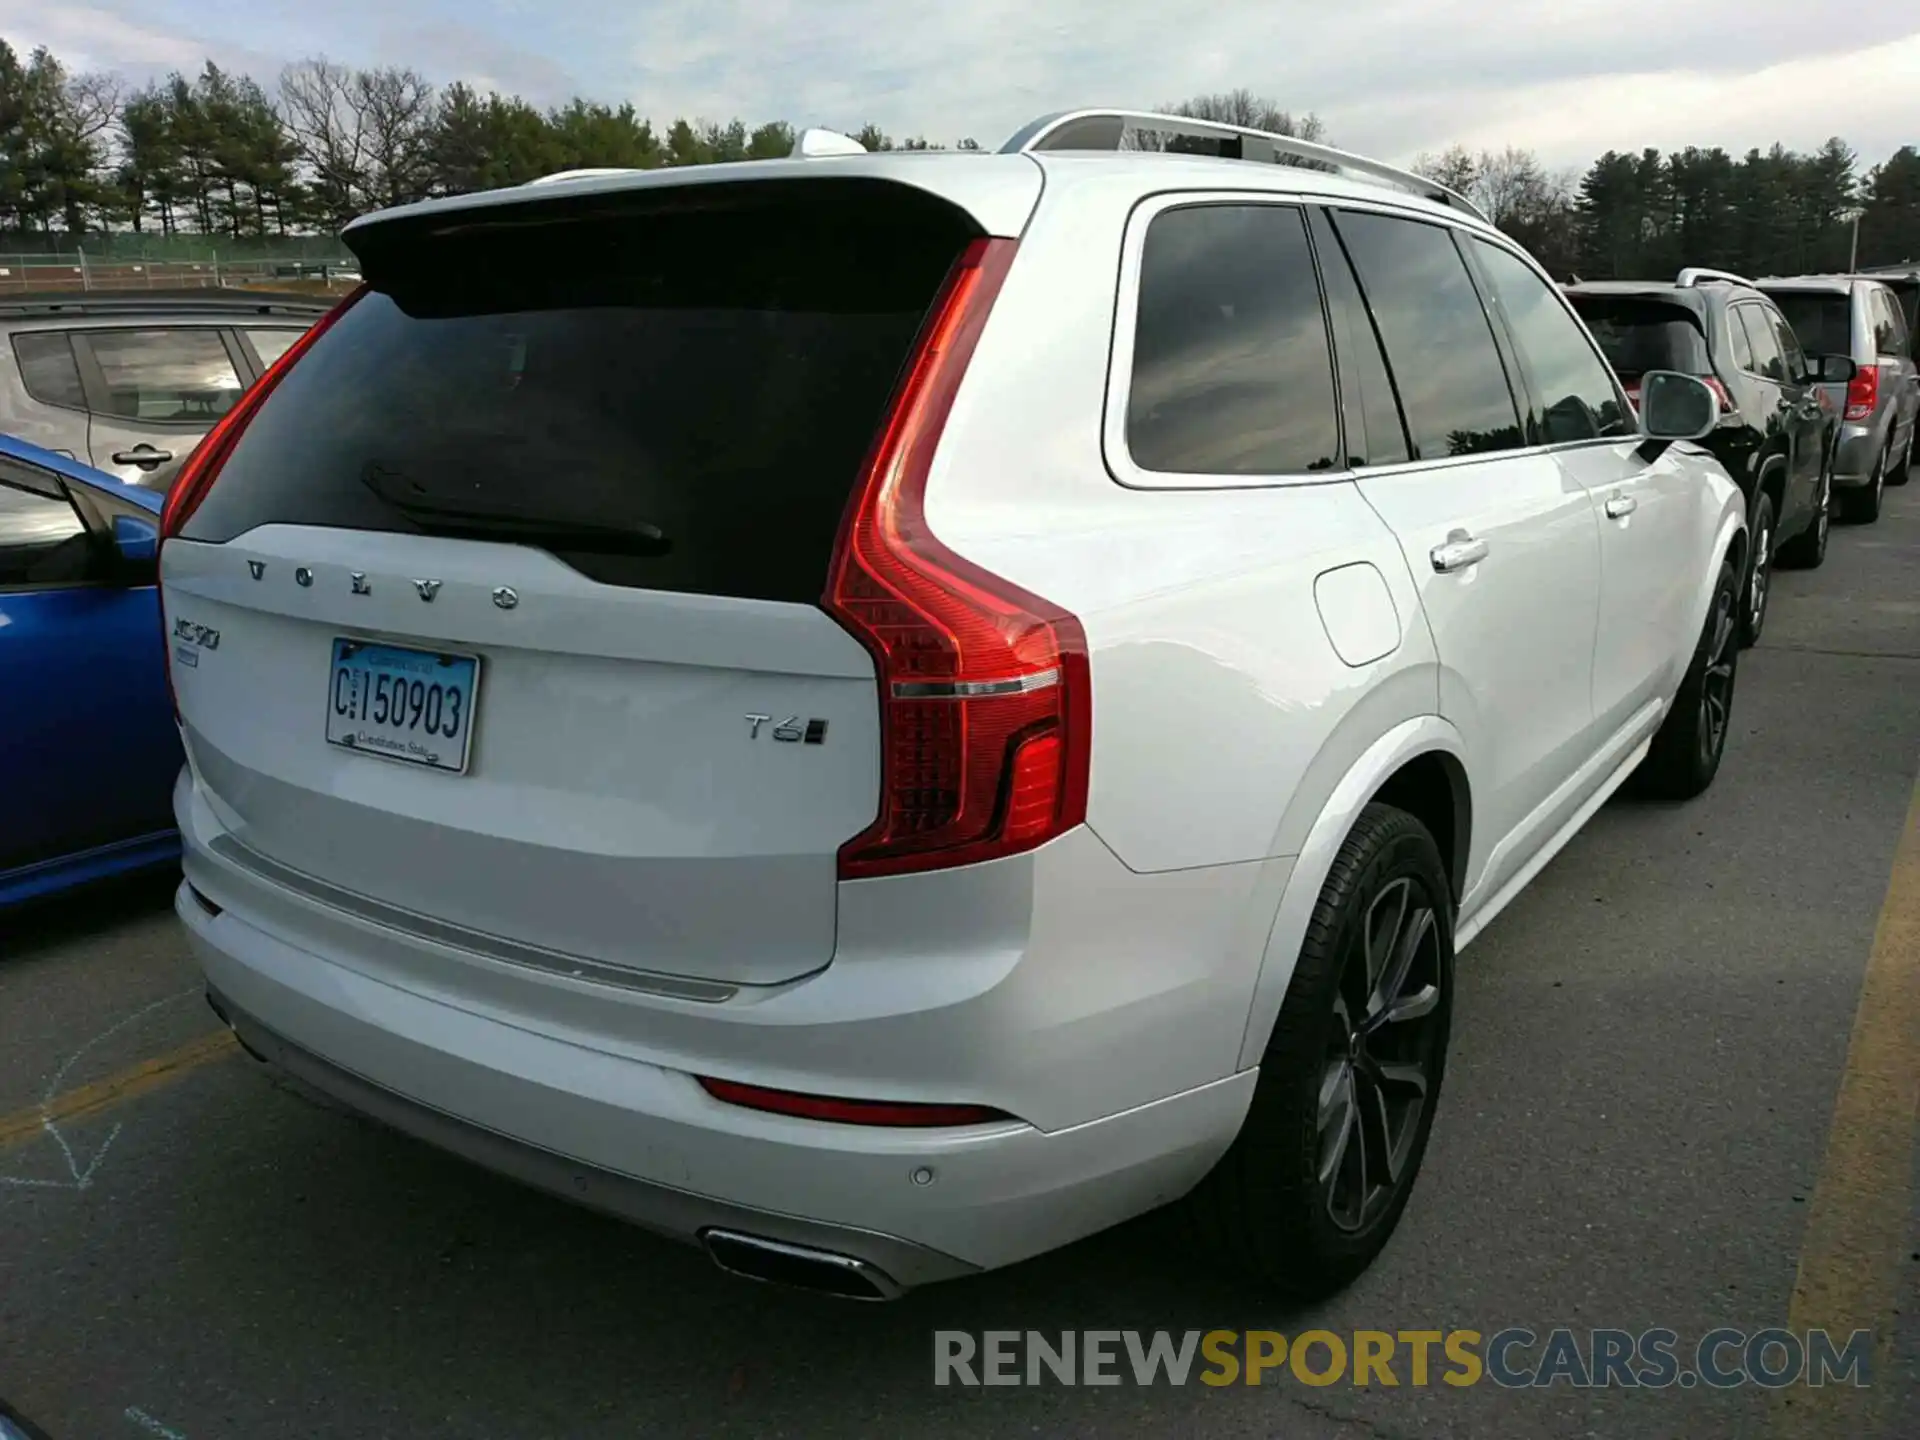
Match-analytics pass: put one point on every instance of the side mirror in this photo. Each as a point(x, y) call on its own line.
point(1832, 369)
point(1676, 407)
point(136, 544)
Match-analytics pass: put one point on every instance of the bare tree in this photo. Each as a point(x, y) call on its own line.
point(1455, 168)
point(93, 103)
point(1509, 186)
point(319, 103)
point(395, 109)
point(1254, 112)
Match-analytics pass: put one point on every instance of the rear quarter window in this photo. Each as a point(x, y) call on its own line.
point(1232, 369)
point(48, 370)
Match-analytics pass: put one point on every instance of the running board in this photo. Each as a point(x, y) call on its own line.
point(1523, 877)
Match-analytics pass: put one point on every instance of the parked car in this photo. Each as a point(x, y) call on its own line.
point(1880, 405)
point(1904, 281)
point(1775, 432)
point(88, 747)
point(131, 381)
point(885, 713)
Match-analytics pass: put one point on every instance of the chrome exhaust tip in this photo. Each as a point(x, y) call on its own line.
point(801, 1267)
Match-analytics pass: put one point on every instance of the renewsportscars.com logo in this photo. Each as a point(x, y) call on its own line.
point(1514, 1358)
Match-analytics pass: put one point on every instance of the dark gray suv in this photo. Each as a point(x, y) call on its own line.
point(1861, 317)
point(129, 383)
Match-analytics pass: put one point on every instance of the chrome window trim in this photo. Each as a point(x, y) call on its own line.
point(1113, 424)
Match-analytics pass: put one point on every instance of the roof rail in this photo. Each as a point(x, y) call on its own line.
point(1694, 274)
point(1107, 130)
point(815, 143)
point(583, 174)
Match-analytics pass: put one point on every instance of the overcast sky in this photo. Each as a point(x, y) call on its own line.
point(1568, 78)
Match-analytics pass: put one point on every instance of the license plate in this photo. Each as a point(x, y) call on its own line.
point(411, 705)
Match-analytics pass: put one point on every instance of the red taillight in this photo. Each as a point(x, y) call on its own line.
point(197, 474)
point(985, 716)
point(1863, 393)
point(849, 1112)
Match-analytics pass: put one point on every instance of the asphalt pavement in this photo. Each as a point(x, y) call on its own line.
point(1637, 1126)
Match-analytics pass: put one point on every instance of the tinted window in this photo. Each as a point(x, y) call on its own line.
point(1823, 323)
point(1375, 433)
point(1767, 359)
point(47, 369)
point(1451, 382)
point(42, 541)
point(165, 375)
point(664, 396)
point(1888, 336)
point(1742, 347)
point(1639, 335)
point(1231, 370)
point(1577, 396)
point(270, 345)
point(1790, 352)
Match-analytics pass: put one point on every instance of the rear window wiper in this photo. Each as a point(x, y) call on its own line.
point(596, 535)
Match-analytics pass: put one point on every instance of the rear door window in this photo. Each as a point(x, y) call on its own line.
point(1790, 352)
point(163, 376)
point(48, 369)
point(1376, 433)
point(1768, 362)
point(42, 540)
point(1578, 400)
point(1742, 346)
point(672, 390)
point(1452, 383)
point(1232, 374)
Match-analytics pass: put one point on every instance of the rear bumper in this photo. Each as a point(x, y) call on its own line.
point(597, 1100)
point(664, 1209)
point(1857, 451)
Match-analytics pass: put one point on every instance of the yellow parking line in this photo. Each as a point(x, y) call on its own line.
point(149, 1075)
point(1854, 1260)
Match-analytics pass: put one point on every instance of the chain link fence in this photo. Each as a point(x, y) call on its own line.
point(122, 268)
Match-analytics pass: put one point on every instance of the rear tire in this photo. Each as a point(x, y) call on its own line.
point(1901, 473)
point(1759, 586)
point(1862, 506)
point(1317, 1179)
point(1686, 750)
point(1808, 549)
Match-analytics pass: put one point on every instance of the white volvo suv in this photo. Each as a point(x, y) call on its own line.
point(883, 713)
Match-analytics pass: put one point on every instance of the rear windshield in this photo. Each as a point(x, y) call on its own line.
point(673, 397)
point(1823, 324)
point(1639, 335)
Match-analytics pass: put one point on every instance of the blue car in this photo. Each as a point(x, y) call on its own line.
point(88, 744)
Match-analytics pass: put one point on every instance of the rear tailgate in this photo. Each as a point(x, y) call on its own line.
point(563, 487)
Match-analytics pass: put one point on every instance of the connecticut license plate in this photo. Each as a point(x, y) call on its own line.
point(411, 705)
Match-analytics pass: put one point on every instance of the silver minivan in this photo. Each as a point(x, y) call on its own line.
point(1862, 318)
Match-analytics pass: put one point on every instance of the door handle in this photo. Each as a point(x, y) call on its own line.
point(1457, 552)
point(143, 455)
point(1621, 506)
